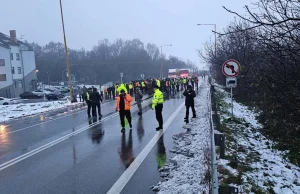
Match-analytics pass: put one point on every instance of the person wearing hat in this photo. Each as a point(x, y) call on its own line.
point(189, 94)
point(157, 104)
point(123, 106)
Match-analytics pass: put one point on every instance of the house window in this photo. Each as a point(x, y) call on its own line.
point(2, 62)
point(20, 84)
point(19, 70)
point(2, 77)
point(11, 56)
point(13, 70)
point(18, 56)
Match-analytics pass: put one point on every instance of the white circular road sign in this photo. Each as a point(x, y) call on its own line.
point(231, 68)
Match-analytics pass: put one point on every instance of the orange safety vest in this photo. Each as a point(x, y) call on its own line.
point(128, 100)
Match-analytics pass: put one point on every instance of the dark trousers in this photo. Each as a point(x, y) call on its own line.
point(114, 94)
point(158, 113)
point(83, 97)
point(89, 106)
point(123, 114)
point(188, 110)
point(94, 111)
point(177, 87)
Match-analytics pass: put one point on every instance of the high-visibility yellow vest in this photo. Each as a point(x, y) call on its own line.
point(158, 98)
point(158, 83)
point(130, 86)
point(143, 84)
point(87, 96)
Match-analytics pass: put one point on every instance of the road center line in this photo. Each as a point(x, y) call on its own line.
point(126, 176)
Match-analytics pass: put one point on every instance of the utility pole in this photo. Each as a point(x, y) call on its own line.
point(66, 52)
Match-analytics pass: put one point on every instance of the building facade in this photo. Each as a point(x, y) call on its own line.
point(17, 66)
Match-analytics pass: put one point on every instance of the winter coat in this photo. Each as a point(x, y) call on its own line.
point(189, 94)
point(95, 97)
point(138, 95)
point(127, 99)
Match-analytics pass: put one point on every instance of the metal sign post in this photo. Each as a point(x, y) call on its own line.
point(231, 69)
point(121, 75)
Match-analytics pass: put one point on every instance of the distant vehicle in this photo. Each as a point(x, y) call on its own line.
point(38, 92)
point(29, 95)
point(7, 101)
point(184, 73)
point(52, 97)
point(55, 95)
point(173, 73)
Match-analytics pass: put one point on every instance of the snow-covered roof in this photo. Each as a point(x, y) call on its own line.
point(172, 70)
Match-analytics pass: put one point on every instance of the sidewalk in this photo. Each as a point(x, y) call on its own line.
point(188, 170)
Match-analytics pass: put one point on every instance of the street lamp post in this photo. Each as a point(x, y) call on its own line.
point(161, 71)
point(48, 78)
point(66, 52)
point(215, 26)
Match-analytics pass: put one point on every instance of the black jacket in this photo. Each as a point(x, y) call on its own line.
point(189, 97)
point(95, 97)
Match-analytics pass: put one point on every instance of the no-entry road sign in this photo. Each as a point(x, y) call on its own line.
point(231, 68)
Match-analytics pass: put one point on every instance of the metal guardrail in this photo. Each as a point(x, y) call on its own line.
point(214, 165)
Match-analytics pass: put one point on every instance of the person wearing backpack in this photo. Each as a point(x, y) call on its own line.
point(138, 99)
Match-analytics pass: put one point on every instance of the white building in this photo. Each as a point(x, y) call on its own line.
point(17, 66)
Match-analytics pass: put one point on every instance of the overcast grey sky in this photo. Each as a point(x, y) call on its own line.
point(88, 21)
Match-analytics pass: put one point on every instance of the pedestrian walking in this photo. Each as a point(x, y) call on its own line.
point(95, 98)
point(123, 106)
point(189, 94)
point(88, 101)
point(138, 99)
point(157, 104)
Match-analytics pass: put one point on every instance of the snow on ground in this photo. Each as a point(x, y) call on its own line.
point(185, 172)
point(21, 110)
point(267, 169)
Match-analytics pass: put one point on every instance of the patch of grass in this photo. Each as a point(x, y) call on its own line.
point(231, 179)
point(245, 168)
point(257, 190)
point(223, 171)
point(252, 157)
point(269, 184)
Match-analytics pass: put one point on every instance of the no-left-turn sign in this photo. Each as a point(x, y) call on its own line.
point(231, 68)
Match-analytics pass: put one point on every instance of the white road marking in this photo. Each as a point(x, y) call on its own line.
point(126, 176)
point(51, 120)
point(48, 145)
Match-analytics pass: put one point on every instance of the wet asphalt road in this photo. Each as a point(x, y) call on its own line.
point(64, 152)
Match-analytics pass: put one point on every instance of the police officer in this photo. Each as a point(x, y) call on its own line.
point(189, 94)
point(88, 101)
point(157, 104)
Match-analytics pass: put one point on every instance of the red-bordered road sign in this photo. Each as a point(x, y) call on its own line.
point(231, 68)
